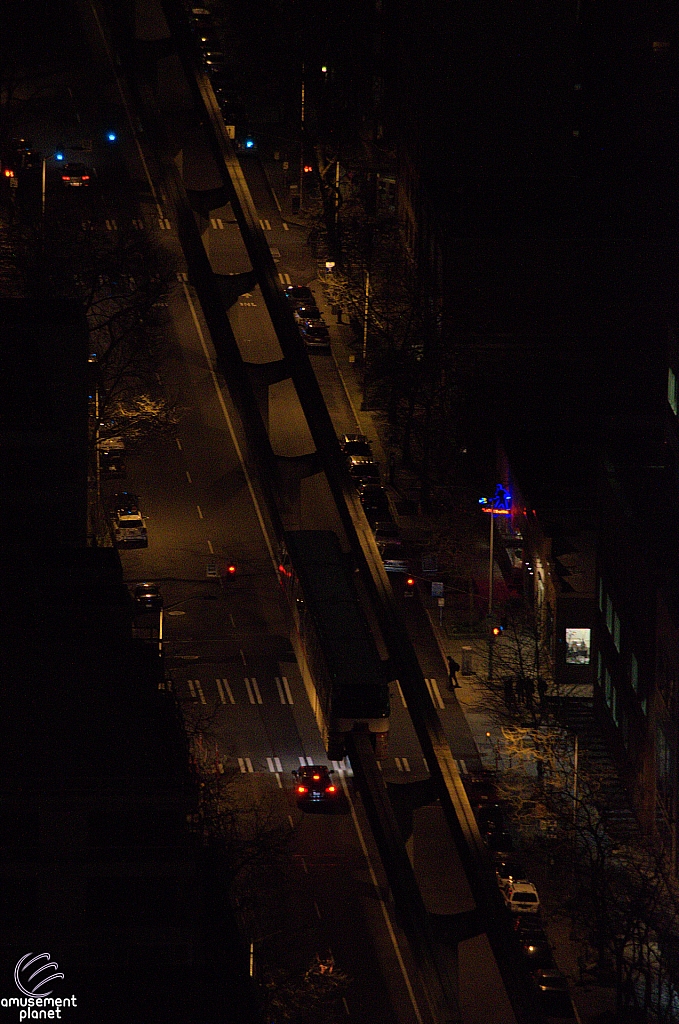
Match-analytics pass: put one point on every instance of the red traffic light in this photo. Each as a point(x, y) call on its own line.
point(497, 630)
point(231, 570)
point(308, 168)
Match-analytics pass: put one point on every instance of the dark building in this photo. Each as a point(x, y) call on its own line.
point(43, 421)
point(536, 170)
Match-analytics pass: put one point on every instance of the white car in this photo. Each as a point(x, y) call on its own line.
point(129, 529)
point(521, 898)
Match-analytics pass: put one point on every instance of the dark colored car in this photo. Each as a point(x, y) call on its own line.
point(555, 997)
point(307, 311)
point(481, 788)
point(77, 175)
point(123, 501)
point(147, 597)
point(385, 531)
point(299, 294)
point(355, 444)
point(362, 469)
point(375, 502)
point(314, 784)
point(535, 947)
point(394, 557)
point(315, 335)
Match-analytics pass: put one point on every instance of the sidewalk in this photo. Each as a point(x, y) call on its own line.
point(595, 1004)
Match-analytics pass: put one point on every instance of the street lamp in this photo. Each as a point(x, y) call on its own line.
point(499, 505)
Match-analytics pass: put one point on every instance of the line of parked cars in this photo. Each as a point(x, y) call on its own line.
point(521, 898)
point(308, 317)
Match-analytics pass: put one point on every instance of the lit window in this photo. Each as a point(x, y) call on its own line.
point(607, 683)
point(614, 705)
point(609, 614)
point(599, 669)
point(601, 595)
point(616, 631)
point(634, 673)
point(644, 706)
point(672, 390)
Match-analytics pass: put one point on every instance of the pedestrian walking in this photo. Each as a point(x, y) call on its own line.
point(520, 689)
point(508, 684)
point(453, 669)
point(542, 689)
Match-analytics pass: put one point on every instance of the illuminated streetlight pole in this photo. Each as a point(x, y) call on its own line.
point(301, 142)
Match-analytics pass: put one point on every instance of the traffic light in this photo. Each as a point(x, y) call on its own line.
point(410, 587)
point(497, 630)
point(112, 136)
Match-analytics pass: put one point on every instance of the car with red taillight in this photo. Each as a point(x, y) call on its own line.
point(313, 784)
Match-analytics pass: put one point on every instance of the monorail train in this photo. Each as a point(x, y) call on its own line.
point(343, 673)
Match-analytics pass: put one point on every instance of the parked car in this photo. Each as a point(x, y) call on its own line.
point(129, 529)
point(315, 335)
point(535, 947)
point(521, 898)
point(385, 531)
point(481, 787)
point(508, 871)
point(375, 502)
point(77, 175)
point(307, 311)
point(112, 458)
point(123, 501)
point(362, 469)
point(299, 293)
point(394, 557)
point(314, 785)
point(147, 597)
point(555, 997)
point(355, 444)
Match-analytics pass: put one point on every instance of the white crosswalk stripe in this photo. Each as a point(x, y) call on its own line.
point(111, 225)
point(245, 765)
point(137, 224)
point(264, 225)
point(254, 695)
point(435, 694)
point(283, 690)
point(164, 224)
point(196, 689)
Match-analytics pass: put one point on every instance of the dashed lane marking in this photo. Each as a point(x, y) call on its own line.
point(318, 913)
point(435, 694)
point(179, 444)
point(200, 512)
point(210, 548)
point(188, 477)
point(264, 224)
point(245, 765)
point(400, 693)
point(346, 1006)
point(254, 695)
point(285, 226)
